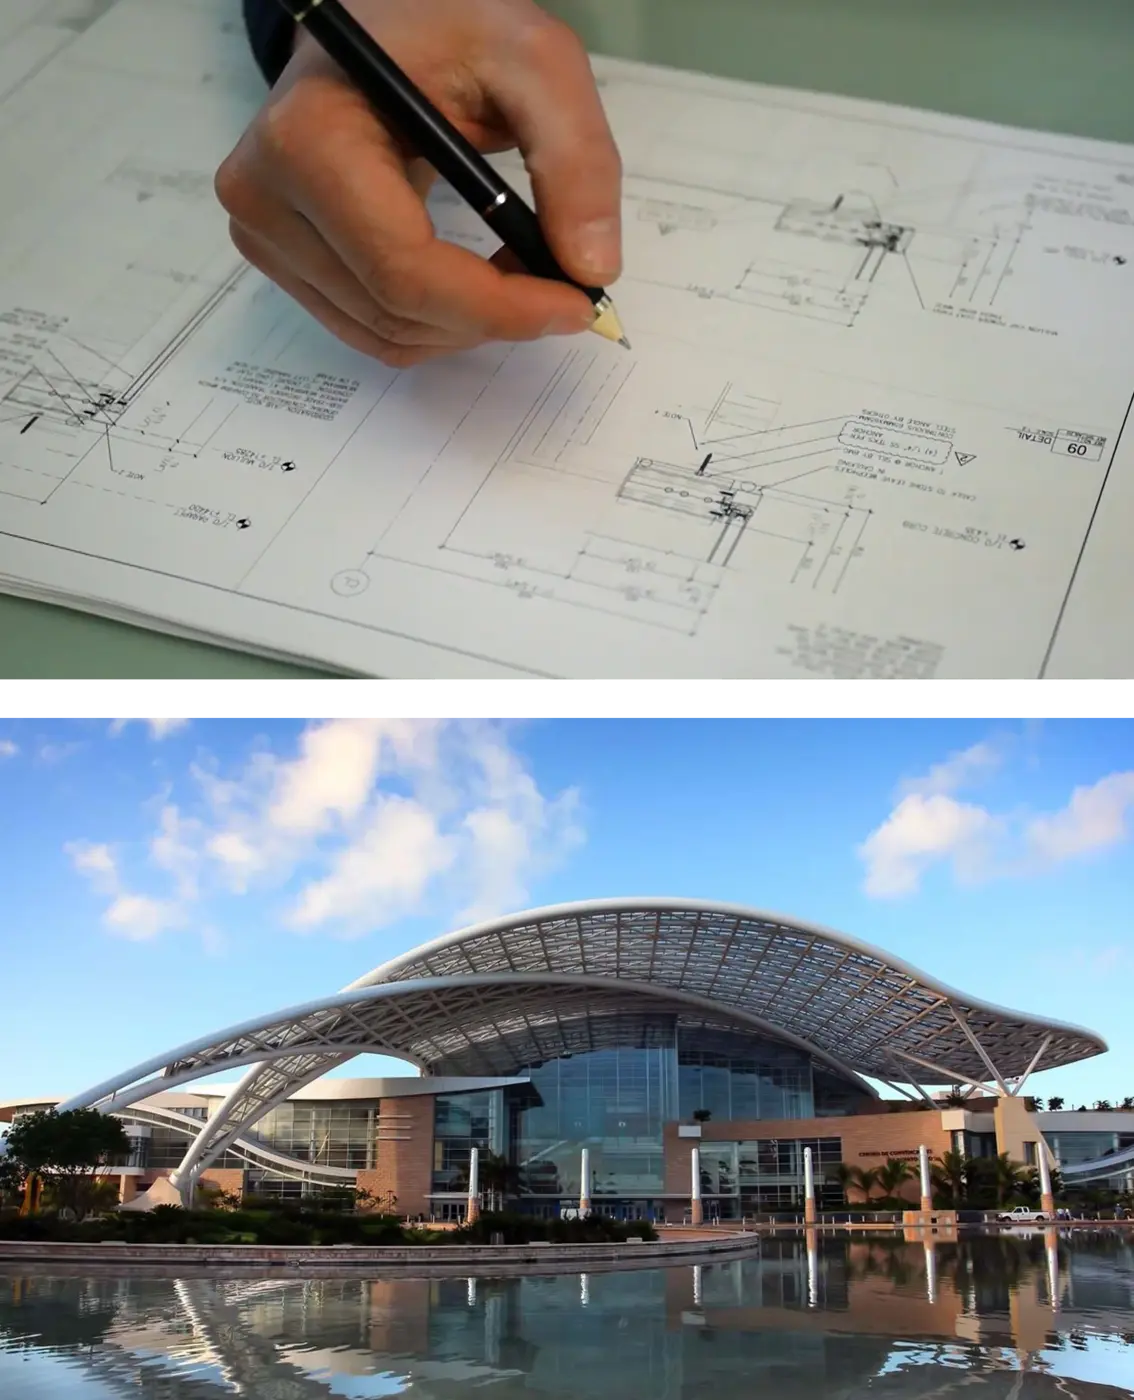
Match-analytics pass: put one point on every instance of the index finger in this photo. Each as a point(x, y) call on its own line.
point(351, 183)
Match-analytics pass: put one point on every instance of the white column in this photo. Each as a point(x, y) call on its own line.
point(585, 1180)
point(808, 1187)
point(1047, 1200)
point(926, 1181)
point(696, 1212)
point(473, 1208)
point(812, 1268)
point(931, 1270)
point(697, 1286)
point(493, 1328)
point(1051, 1246)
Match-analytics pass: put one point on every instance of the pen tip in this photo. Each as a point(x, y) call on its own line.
point(624, 342)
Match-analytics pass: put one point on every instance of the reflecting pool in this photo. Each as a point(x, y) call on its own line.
point(823, 1318)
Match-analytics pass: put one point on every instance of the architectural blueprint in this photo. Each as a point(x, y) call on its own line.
point(875, 421)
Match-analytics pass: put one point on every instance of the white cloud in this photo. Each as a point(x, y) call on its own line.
point(383, 873)
point(128, 915)
point(175, 848)
point(1094, 819)
point(139, 917)
point(929, 827)
point(335, 772)
point(958, 770)
point(920, 832)
point(159, 728)
point(95, 861)
point(366, 822)
point(8, 749)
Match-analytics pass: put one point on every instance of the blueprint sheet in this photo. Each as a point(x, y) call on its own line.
point(875, 421)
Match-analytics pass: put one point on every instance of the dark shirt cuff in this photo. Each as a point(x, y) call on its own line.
point(272, 31)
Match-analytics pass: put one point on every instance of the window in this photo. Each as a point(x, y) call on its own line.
point(460, 1123)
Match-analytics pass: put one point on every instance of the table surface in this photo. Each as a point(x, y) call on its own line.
point(1055, 65)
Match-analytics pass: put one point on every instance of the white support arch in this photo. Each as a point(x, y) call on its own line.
point(520, 1017)
point(1017, 1088)
point(971, 1037)
point(527, 988)
point(944, 1073)
point(255, 1153)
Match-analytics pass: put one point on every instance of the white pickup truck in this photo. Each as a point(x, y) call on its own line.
point(1021, 1215)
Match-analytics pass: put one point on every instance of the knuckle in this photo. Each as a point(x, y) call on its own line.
point(404, 293)
point(282, 127)
point(395, 329)
point(547, 40)
point(231, 187)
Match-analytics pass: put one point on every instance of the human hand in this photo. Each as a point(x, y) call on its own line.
point(329, 204)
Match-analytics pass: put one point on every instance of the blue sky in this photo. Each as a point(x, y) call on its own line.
point(163, 878)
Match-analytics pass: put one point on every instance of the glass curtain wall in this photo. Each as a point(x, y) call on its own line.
point(460, 1123)
point(613, 1102)
point(616, 1103)
point(747, 1178)
point(742, 1079)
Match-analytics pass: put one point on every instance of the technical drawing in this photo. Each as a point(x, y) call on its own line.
point(847, 428)
point(668, 533)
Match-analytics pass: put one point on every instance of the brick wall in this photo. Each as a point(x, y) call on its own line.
point(403, 1158)
point(229, 1179)
point(867, 1141)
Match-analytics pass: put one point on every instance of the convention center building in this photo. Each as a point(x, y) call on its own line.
point(672, 1049)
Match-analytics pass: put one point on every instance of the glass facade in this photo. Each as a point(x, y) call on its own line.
point(1071, 1148)
point(460, 1123)
point(336, 1133)
point(614, 1102)
point(746, 1178)
point(742, 1079)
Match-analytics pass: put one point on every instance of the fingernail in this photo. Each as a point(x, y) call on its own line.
point(599, 249)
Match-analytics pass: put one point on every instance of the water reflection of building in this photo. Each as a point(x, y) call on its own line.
point(784, 1321)
point(611, 1026)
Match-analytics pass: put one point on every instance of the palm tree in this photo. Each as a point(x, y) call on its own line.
point(844, 1175)
point(1103, 1105)
point(951, 1175)
point(499, 1178)
point(1008, 1177)
point(893, 1174)
point(1055, 1104)
point(864, 1179)
point(1127, 1103)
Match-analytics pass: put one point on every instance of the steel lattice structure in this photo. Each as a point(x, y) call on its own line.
point(522, 990)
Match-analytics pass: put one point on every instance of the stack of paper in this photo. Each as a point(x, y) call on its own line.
point(871, 425)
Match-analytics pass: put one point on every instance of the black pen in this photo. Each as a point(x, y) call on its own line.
point(437, 140)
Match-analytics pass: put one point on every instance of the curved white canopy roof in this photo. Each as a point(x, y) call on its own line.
point(842, 997)
point(512, 992)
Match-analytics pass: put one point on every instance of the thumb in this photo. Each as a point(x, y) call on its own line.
point(546, 93)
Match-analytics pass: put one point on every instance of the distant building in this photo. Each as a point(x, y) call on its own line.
point(635, 1028)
